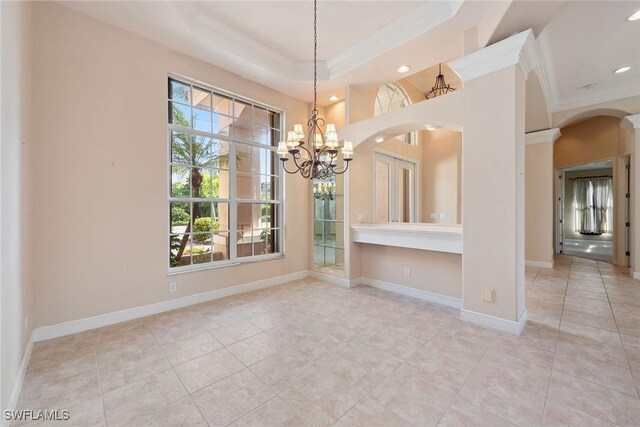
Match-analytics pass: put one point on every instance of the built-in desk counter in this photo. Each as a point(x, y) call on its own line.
point(428, 237)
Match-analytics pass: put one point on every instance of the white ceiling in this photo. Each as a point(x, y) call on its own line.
point(364, 41)
point(582, 44)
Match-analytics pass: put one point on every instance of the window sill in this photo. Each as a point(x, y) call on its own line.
point(192, 269)
point(429, 237)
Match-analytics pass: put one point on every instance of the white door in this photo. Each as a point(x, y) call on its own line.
point(395, 189)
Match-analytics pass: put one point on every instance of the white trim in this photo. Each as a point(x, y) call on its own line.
point(412, 292)
point(80, 325)
point(634, 120)
point(492, 322)
point(519, 49)
point(12, 403)
point(540, 264)
point(336, 280)
point(542, 136)
point(397, 32)
point(429, 237)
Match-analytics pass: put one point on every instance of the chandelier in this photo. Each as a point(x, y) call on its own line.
point(324, 190)
point(440, 88)
point(318, 159)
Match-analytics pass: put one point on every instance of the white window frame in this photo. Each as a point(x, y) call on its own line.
point(410, 138)
point(233, 200)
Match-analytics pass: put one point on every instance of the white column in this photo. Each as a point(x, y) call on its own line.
point(539, 197)
point(493, 181)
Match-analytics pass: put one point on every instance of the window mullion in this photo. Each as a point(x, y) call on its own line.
point(233, 204)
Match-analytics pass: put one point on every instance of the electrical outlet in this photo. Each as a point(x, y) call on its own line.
point(434, 215)
point(442, 215)
point(407, 271)
point(488, 294)
point(172, 287)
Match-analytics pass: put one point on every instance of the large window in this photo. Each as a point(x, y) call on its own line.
point(593, 203)
point(225, 195)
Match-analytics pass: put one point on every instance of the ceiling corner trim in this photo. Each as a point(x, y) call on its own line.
point(242, 47)
point(518, 50)
point(546, 69)
point(393, 34)
point(542, 136)
point(634, 120)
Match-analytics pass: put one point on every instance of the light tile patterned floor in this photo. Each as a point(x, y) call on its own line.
point(311, 353)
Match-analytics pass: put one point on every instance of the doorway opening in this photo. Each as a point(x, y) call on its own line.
point(586, 211)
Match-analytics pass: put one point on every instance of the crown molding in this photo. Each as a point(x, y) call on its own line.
point(519, 49)
point(598, 98)
point(633, 120)
point(542, 136)
point(241, 47)
point(393, 34)
point(245, 50)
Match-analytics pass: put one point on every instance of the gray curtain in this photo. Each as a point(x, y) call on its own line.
point(593, 202)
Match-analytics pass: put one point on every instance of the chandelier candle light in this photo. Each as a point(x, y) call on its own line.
point(318, 159)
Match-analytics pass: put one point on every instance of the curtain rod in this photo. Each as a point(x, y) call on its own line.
point(589, 177)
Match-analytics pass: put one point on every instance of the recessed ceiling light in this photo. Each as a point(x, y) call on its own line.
point(333, 98)
point(430, 127)
point(622, 69)
point(379, 139)
point(403, 69)
point(635, 16)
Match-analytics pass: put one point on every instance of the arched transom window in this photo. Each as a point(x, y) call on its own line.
point(392, 97)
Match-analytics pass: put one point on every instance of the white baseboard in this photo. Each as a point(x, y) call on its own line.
point(412, 292)
point(80, 325)
point(12, 403)
point(539, 264)
point(495, 322)
point(336, 280)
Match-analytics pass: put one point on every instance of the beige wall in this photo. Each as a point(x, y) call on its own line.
point(493, 158)
point(588, 141)
point(101, 170)
point(441, 171)
point(436, 272)
point(539, 202)
point(16, 288)
point(493, 188)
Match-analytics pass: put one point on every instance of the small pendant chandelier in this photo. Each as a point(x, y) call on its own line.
point(440, 88)
point(318, 159)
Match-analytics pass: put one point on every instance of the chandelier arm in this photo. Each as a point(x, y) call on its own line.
point(284, 167)
point(340, 172)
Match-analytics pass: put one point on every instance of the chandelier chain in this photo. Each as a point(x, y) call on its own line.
point(315, 57)
point(318, 159)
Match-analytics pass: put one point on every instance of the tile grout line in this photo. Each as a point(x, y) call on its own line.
point(383, 380)
point(633, 379)
point(95, 355)
point(465, 382)
point(555, 346)
point(173, 369)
